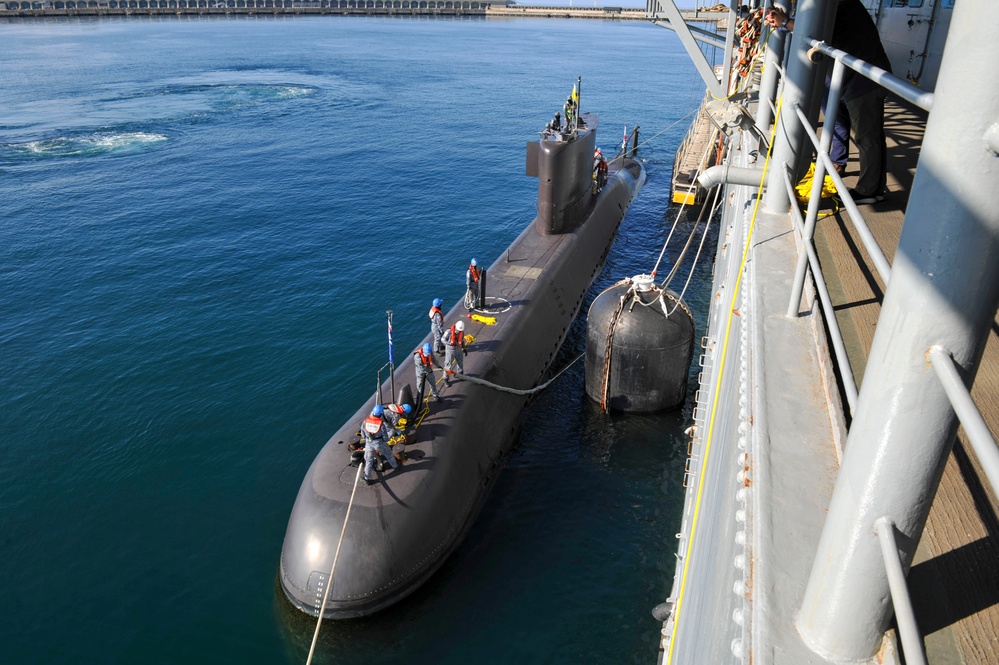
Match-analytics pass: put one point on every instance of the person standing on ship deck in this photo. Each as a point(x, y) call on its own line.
point(454, 339)
point(599, 169)
point(472, 285)
point(437, 324)
point(424, 361)
point(862, 102)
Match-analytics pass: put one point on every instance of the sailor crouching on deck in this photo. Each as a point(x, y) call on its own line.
point(454, 343)
point(398, 415)
point(424, 361)
point(376, 432)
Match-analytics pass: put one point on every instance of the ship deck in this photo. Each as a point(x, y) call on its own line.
point(954, 581)
point(768, 435)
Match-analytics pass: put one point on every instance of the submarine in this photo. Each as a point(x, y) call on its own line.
point(401, 528)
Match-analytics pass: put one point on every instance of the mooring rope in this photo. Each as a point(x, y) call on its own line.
point(516, 391)
point(329, 585)
point(697, 257)
point(660, 132)
point(683, 252)
point(683, 205)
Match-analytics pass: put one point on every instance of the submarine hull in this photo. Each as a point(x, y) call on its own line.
point(403, 527)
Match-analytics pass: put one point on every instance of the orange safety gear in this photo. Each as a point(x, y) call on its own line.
point(373, 425)
point(457, 336)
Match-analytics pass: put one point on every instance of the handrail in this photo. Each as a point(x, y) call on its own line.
point(979, 436)
point(912, 644)
point(870, 243)
point(903, 89)
point(885, 79)
point(839, 347)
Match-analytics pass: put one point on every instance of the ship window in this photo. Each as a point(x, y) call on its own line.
point(948, 4)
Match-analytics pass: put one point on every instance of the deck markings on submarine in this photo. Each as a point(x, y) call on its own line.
point(494, 305)
point(523, 272)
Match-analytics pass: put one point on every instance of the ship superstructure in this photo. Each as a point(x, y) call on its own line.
point(818, 448)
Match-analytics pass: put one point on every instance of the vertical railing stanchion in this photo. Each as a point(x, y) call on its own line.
point(912, 644)
point(816, 195)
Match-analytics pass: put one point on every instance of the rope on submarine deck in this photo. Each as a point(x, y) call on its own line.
point(515, 391)
point(329, 585)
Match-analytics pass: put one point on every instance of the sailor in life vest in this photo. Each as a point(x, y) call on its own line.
point(454, 341)
point(437, 324)
point(472, 284)
point(599, 169)
point(425, 361)
point(376, 432)
point(395, 413)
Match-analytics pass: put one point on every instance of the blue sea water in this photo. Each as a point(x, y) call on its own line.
point(202, 223)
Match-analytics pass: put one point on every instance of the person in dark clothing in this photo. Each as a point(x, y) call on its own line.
point(862, 101)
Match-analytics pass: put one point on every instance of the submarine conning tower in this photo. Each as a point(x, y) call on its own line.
point(563, 164)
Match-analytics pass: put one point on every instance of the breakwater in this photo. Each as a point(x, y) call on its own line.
point(222, 7)
point(62, 8)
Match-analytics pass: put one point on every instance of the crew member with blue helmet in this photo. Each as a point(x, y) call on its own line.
point(395, 413)
point(437, 324)
point(376, 432)
point(472, 276)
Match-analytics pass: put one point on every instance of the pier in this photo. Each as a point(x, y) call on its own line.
point(692, 157)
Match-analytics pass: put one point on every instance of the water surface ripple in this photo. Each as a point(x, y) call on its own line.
point(204, 221)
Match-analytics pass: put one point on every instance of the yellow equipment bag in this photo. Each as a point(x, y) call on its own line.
point(804, 187)
point(488, 320)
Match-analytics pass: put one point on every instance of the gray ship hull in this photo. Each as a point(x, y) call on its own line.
point(403, 527)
